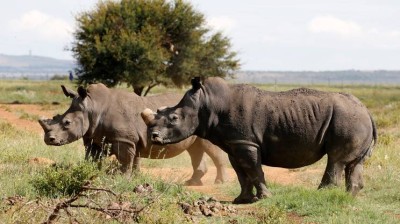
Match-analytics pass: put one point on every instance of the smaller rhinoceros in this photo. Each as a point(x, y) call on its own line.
point(283, 129)
point(101, 115)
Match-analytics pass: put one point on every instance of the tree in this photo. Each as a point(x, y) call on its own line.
point(145, 43)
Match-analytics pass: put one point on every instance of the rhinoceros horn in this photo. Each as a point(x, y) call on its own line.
point(43, 123)
point(147, 115)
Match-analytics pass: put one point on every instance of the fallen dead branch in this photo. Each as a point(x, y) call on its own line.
point(119, 211)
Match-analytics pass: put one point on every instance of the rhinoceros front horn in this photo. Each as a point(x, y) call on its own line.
point(43, 123)
point(147, 115)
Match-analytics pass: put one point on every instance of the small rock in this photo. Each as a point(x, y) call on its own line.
point(139, 189)
point(143, 188)
point(206, 211)
point(212, 199)
point(187, 208)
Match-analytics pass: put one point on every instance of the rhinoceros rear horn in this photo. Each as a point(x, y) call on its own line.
point(147, 115)
point(196, 83)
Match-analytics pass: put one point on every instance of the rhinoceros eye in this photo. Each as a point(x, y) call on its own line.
point(67, 122)
point(174, 118)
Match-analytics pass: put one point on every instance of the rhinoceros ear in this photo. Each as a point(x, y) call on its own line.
point(68, 92)
point(196, 83)
point(82, 92)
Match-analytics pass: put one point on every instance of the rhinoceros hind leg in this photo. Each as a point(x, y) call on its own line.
point(354, 179)
point(199, 165)
point(333, 174)
point(219, 159)
point(196, 152)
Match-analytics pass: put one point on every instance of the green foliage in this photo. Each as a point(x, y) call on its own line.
point(63, 180)
point(148, 42)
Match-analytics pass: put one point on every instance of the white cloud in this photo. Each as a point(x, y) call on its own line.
point(221, 23)
point(349, 31)
point(333, 25)
point(43, 26)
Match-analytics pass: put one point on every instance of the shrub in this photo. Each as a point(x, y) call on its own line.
point(62, 180)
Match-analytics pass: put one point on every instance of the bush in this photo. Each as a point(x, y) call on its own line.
point(63, 180)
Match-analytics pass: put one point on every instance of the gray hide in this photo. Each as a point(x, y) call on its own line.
point(282, 129)
point(101, 115)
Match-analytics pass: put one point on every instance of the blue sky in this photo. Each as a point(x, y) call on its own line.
point(269, 35)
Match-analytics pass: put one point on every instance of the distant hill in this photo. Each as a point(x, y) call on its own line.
point(39, 67)
point(34, 64)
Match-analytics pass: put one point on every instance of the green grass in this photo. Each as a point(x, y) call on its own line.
point(33, 92)
point(378, 202)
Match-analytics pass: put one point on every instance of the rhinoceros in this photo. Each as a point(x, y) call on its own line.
point(101, 115)
point(288, 129)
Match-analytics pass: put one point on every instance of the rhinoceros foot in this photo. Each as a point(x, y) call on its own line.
point(219, 181)
point(266, 194)
point(245, 200)
point(193, 182)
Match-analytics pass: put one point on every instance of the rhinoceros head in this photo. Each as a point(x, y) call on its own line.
point(174, 124)
point(71, 125)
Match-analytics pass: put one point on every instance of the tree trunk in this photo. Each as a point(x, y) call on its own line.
point(149, 87)
point(138, 90)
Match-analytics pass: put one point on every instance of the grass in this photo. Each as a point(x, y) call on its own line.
point(378, 202)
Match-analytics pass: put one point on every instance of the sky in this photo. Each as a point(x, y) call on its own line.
point(289, 35)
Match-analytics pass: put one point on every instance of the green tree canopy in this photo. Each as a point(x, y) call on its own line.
point(145, 43)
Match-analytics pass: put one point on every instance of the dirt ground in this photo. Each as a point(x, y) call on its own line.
point(10, 113)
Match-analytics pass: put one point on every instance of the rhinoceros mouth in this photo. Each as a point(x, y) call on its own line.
point(160, 140)
point(56, 143)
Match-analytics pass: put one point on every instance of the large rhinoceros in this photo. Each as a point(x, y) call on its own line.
point(282, 129)
point(101, 115)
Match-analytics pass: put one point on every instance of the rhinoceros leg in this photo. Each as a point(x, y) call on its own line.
point(199, 166)
point(217, 156)
point(246, 186)
point(354, 179)
point(196, 152)
point(92, 150)
point(246, 161)
point(136, 163)
point(125, 154)
point(333, 174)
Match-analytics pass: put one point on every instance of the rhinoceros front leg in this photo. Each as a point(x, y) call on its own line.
point(125, 154)
point(246, 186)
point(92, 150)
point(246, 160)
point(136, 163)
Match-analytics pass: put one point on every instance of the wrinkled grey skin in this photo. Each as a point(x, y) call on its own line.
point(282, 129)
point(101, 115)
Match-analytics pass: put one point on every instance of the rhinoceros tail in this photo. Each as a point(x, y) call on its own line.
point(374, 135)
